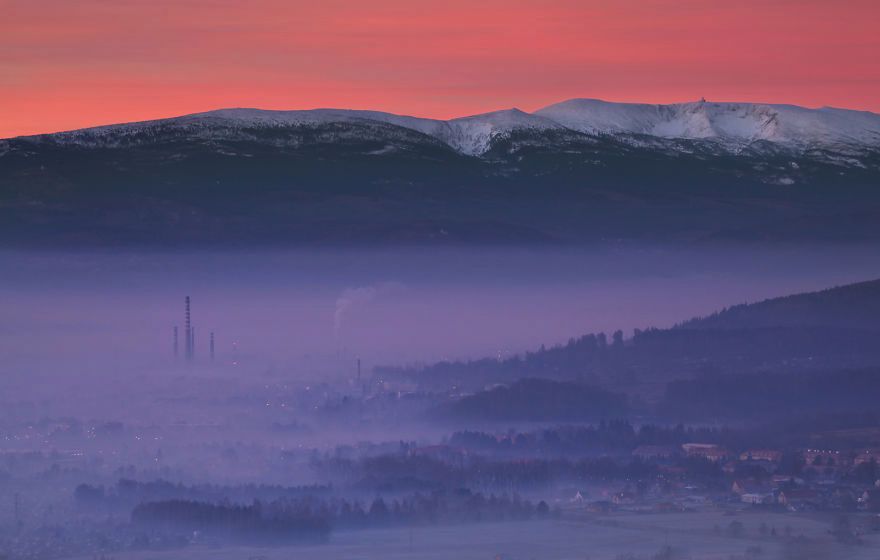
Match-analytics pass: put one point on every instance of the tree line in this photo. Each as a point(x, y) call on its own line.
point(313, 518)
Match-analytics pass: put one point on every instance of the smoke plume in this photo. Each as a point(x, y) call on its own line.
point(352, 298)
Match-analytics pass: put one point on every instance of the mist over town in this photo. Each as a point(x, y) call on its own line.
point(511, 281)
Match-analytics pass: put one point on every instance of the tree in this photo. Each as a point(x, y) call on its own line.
point(378, 509)
point(736, 529)
point(543, 509)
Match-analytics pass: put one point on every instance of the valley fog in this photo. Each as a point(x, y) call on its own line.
point(319, 402)
point(91, 334)
point(311, 313)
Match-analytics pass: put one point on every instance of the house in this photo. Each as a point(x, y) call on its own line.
point(825, 459)
point(778, 479)
point(752, 492)
point(741, 487)
point(655, 451)
point(623, 498)
point(870, 500)
point(708, 451)
point(798, 497)
point(757, 498)
point(769, 455)
point(843, 497)
point(866, 456)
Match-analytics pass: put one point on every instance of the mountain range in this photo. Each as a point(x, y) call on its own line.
point(580, 170)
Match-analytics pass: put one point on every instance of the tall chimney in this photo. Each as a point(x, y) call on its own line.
point(212, 346)
point(176, 351)
point(189, 332)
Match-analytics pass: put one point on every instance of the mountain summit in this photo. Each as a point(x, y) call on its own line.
point(736, 122)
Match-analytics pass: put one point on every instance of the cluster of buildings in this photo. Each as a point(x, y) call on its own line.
point(812, 479)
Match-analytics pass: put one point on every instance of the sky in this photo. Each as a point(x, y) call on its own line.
point(66, 64)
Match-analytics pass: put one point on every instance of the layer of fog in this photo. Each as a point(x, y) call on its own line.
point(91, 334)
point(90, 383)
point(80, 311)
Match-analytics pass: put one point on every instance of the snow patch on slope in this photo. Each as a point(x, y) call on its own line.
point(734, 122)
point(314, 117)
point(469, 135)
point(474, 135)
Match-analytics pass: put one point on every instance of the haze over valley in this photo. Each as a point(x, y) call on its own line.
point(533, 280)
point(440, 335)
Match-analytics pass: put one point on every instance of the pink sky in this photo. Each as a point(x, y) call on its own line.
point(68, 64)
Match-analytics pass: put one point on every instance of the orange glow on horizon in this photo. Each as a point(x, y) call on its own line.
point(66, 65)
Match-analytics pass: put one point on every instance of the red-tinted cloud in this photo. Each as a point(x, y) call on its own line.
point(67, 64)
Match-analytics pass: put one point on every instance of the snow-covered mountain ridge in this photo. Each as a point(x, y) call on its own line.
point(726, 126)
point(579, 171)
point(739, 122)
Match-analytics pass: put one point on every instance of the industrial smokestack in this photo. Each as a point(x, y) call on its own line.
point(212, 346)
point(175, 342)
point(189, 331)
point(363, 386)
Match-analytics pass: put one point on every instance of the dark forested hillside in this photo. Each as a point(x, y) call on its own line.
point(368, 182)
point(856, 306)
point(539, 400)
point(832, 329)
point(769, 396)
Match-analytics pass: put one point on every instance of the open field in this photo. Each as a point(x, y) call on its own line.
point(590, 537)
